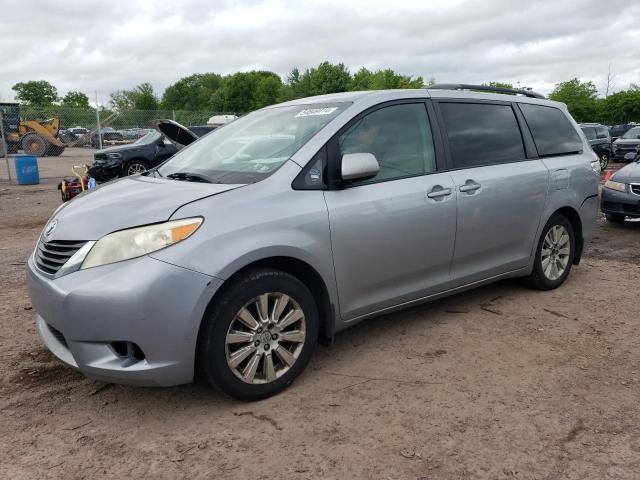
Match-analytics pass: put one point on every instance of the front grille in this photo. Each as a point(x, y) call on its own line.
point(58, 334)
point(635, 188)
point(51, 256)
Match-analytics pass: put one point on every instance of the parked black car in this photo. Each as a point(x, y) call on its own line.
point(600, 141)
point(616, 131)
point(627, 146)
point(145, 153)
point(621, 193)
point(122, 160)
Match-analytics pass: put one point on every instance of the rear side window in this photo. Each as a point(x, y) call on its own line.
point(552, 132)
point(482, 134)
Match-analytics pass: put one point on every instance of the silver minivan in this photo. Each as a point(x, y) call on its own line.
point(231, 260)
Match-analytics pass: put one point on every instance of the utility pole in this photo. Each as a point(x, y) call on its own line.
point(98, 120)
point(5, 150)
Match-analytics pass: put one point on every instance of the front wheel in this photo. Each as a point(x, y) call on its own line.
point(135, 167)
point(258, 335)
point(554, 255)
point(604, 160)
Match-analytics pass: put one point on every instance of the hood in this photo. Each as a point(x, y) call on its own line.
point(126, 203)
point(627, 141)
point(628, 174)
point(180, 135)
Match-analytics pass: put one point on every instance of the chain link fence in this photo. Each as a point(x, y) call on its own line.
point(50, 131)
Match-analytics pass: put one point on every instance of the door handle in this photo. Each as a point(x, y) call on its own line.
point(439, 192)
point(470, 186)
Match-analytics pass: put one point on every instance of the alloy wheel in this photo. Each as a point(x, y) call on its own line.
point(136, 168)
point(604, 160)
point(555, 252)
point(265, 338)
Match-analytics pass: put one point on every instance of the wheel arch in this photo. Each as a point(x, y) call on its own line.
point(573, 216)
point(304, 272)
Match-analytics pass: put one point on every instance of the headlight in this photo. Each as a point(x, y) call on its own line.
point(595, 166)
point(621, 187)
point(113, 156)
point(135, 242)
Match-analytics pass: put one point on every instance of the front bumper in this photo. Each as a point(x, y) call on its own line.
point(155, 305)
point(620, 203)
point(105, 172)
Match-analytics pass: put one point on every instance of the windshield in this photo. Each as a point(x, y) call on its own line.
point(150, 137)
point(251, 148)
point(633, 133)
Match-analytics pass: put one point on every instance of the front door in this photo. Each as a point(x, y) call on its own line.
point(392, 236)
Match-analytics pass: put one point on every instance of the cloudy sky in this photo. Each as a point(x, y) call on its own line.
point(99, 45)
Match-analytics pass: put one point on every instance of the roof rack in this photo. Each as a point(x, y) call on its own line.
point(485, 88)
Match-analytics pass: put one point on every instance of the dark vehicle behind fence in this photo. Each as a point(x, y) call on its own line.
point(600, 141)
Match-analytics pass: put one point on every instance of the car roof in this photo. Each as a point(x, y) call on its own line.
point(371, 96)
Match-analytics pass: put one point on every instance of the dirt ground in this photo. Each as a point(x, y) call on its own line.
point(498, 383)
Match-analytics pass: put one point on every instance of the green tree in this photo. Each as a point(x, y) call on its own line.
point(141, 97)
point(38, 93)
point(246, 91)
point(329, 78)
point(362, 80)
point(191, 93)
point(76, 100)
point(144, 98)
point(580, 98)
point(621, 107)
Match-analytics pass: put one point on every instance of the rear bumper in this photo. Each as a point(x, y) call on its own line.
point(153, 304)
point(620, 203)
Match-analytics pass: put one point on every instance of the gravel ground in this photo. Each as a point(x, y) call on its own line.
point(497, 383)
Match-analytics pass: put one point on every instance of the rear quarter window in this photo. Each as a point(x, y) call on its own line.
point(552, 131)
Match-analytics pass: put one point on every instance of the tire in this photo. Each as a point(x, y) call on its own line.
point(543, 276)
point(134, 167)
point(224, 333)
point(604, 160)
point(613, 218)
point(34, 144)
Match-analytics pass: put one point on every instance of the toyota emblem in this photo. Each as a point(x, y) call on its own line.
point(51, 226)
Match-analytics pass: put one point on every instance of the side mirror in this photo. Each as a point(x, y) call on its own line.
point(359, 166)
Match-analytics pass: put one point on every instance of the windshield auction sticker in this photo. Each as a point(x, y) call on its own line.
point(316, 111)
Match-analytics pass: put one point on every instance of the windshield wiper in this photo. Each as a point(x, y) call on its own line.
point(191, 177)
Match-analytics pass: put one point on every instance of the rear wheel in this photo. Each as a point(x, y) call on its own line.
point(604, 160)
point(34, 144)
point(554, 255)
point(135, 167)
point(613, 218)
point(258, 335)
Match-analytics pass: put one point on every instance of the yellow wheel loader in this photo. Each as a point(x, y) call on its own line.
point(35, 138)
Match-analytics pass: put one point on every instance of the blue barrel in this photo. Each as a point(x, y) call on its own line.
point(27, 170)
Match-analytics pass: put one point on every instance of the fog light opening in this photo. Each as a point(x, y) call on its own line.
point(128, 350)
